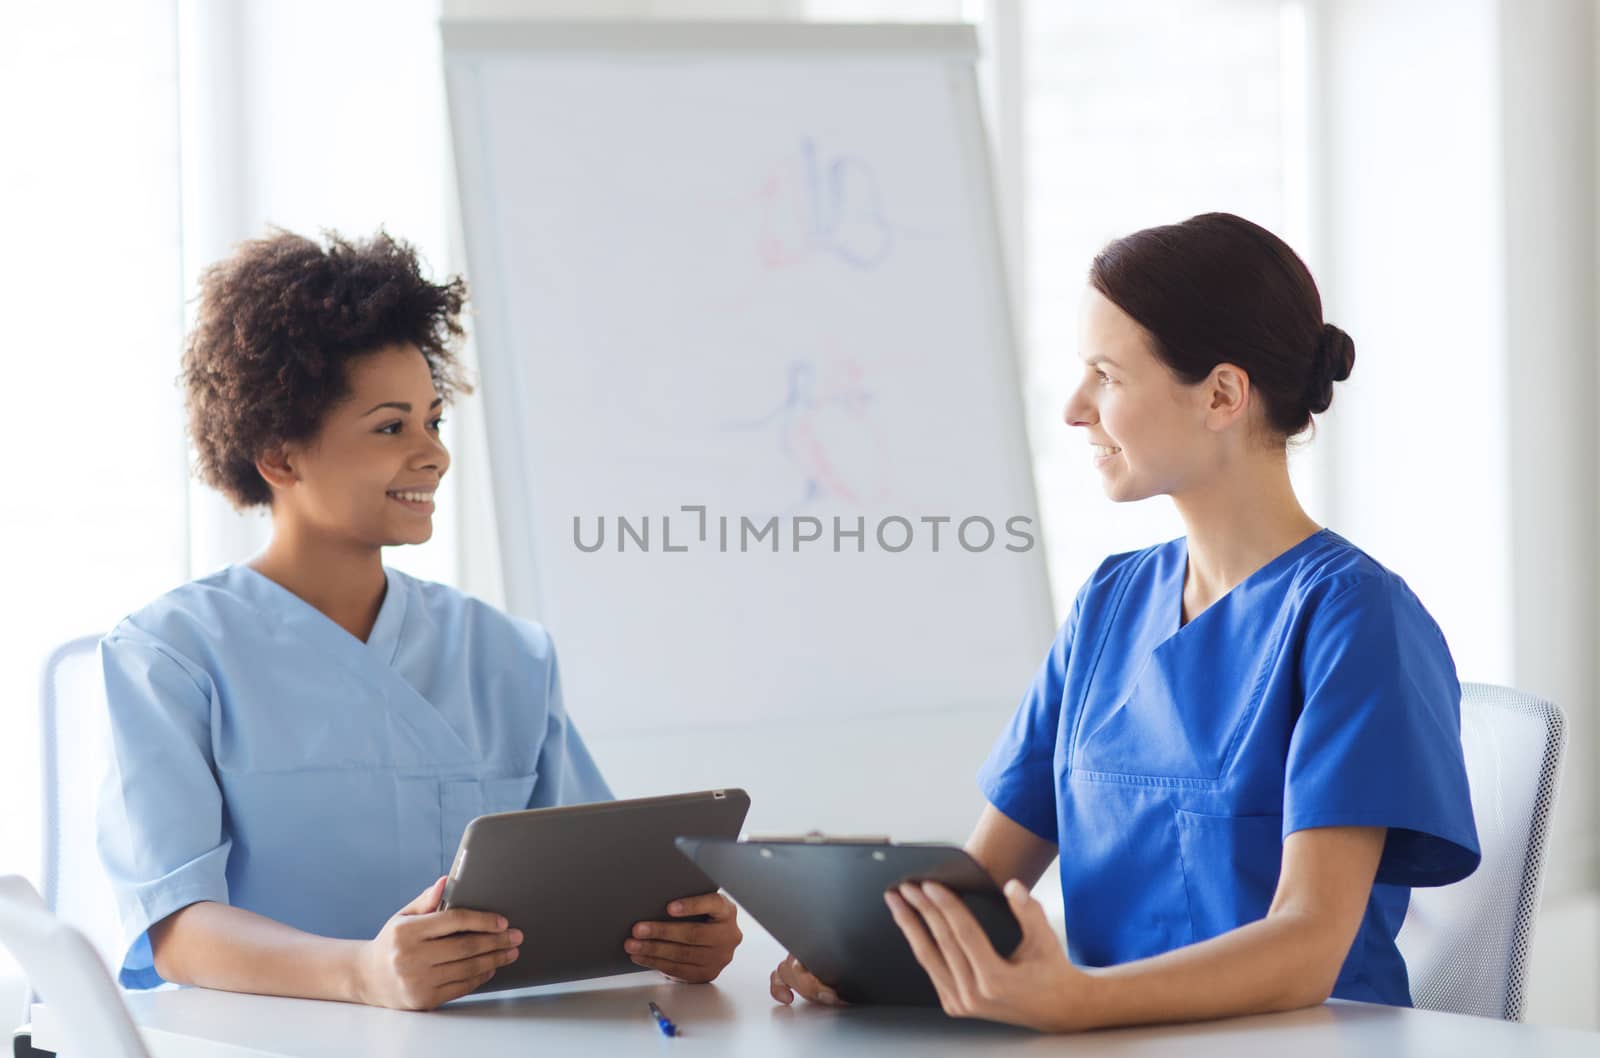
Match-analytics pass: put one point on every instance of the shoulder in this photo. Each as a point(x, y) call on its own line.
point(453, 611)
point(1338, 575)
point(1347, 601)
point(191, 618)
point(193, 627)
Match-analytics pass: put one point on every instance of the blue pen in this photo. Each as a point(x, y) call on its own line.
point(663, 1022)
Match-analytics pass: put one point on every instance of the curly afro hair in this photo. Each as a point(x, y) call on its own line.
point(278, 323)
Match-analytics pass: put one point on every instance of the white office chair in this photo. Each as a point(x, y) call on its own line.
point(75, 751)
point(75, 747)
point(1466, 945)
point(67, 972)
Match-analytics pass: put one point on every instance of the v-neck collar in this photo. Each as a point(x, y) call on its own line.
point(384, 638)
point(1175, 624)
point(406, 712)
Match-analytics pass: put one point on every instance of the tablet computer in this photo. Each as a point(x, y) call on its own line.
point(575, 879)
point(823, 900)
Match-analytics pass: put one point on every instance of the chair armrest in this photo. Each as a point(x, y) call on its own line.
point(22, 1044)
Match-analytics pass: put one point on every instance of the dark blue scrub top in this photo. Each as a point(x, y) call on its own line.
point(1168, 763)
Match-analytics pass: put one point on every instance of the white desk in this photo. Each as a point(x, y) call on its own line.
point(737, 1017)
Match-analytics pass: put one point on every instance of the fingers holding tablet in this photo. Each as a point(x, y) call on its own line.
point(791, 978)
point(424, 957)
point(689, 951)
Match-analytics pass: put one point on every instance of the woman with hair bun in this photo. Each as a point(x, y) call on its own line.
point(1244, 744)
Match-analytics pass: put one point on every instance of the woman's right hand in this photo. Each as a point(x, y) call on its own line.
point(791, 978)
point(424, 957)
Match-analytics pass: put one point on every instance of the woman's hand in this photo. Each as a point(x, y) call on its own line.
point(694, 952)
point(424, 957)
point(791, 979)
point(1037, 987)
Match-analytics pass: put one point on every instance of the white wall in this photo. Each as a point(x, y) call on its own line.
point(1548, 56)
point(1408, 255)
point(1126, 126)
point(1454, 157)
point(1547, 155)
point(90, 516)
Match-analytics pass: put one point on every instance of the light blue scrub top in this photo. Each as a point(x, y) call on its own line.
point(1169, 763)
point(266, 758)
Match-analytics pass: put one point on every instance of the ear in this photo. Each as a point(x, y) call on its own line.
point(278, 467)
point(1227, 396)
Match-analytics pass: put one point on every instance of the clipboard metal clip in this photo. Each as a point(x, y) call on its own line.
point(817, 837)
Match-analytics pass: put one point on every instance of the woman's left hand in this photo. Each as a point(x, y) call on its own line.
point(1036, 987)
point(689, 951)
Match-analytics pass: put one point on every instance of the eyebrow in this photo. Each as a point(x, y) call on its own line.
point(400, 405)
point(1092, 361)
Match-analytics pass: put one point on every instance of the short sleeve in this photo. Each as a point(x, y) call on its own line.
point(160, 829)
point(1019, 778)
point(1378, 741)
point(568, 774)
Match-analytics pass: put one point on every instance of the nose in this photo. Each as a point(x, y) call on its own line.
point(1080, 410)
point(433, 455)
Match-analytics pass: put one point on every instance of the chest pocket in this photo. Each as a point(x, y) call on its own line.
point(1230, 868)
point(463, 800)
point(1180, 718)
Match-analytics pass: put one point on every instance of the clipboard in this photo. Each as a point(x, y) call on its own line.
point(575, 879)
point(823, 900)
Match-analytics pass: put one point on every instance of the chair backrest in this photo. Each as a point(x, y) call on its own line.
point(75, 758)
point(1466, 945)
point(68, 974)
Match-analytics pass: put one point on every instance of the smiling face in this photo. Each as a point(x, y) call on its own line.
point(368, 475)
point(1150, 433)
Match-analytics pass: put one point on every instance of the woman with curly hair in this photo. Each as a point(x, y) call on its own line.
point(300, 740)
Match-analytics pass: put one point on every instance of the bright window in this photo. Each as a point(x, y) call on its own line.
point(1136, 115)
point(95, 496)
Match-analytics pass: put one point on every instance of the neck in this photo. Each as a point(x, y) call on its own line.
point(343, 580)
point(1237, 523)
